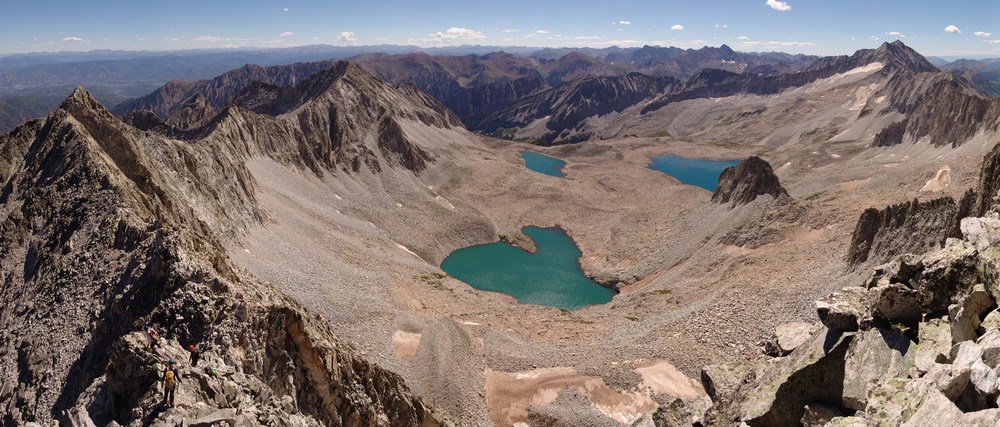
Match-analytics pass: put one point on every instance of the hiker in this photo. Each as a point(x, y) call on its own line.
point(195, 353)
point(151, 335)
point(170, 379)
point(212, 373)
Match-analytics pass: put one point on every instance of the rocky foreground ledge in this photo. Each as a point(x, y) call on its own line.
point(918, 343)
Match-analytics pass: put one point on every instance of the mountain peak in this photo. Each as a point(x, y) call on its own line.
point(901, 55)
point(80, 99)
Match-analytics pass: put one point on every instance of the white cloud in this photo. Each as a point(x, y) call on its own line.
point(72, 39)
point(284, 9)
point(721, 26)
point(895, 34)
point(541, 32)
point(510, 30)
point(874, 38)
point(625, 22)
point(742, 38)
point(992, 41)
point(589, 38)
point(347, 36)
point(982, 34)
point(448, 36)
point(779, 5)
point(286, 34)
point(677, 27)
point(952, 29)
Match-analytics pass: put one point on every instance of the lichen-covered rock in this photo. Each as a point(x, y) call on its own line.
point(813, 373)
point(935, 345)
point(874, 355)
point(842, 310)
point(721, 381)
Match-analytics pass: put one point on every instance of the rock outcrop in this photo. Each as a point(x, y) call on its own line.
point(907, 347)
point(104, 228)
point(913, 227)
point(741, 184)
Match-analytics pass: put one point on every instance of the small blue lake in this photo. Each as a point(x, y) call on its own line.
point(698, 172)
point(551, 276)
point(543, 164)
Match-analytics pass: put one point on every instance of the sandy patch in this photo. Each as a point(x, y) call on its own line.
point(663, 378)
point(941, 180)
point(509, 395)
point(404, 344)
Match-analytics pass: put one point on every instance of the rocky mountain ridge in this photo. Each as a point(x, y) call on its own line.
point(106, 227)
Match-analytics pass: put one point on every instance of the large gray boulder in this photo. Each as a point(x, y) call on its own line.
point(966, 316)
point(965, 353)
point(874, 355)
point(981, 232)
point(946, 273)
point(895, 303)
point(842, 310)
point(788, 337)
point(813, 373)
point(951, 380)
point(984, 378)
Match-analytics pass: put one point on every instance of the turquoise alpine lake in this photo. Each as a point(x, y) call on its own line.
point(551, 276)
point(543, 164)
point(698, 172)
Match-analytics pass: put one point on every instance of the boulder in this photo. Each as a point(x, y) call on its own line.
point(989, 343)
point(813, 373)
point(721, 381)
point(981, 232)
point(842, 310)
point(948, 272)
point(991, 321)
point(874, 355)
point(935, 409)
point(984, 378)
point(951, 380)
point(935, 345)
point(966, 315)
point(895, 303)
point(788, 337)
point(965, 353)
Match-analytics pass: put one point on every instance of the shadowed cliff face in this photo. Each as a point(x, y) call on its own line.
point(741, 184)
point(914, 227)
point(104, 227)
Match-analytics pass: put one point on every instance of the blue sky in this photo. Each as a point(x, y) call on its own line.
point(823, 27)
